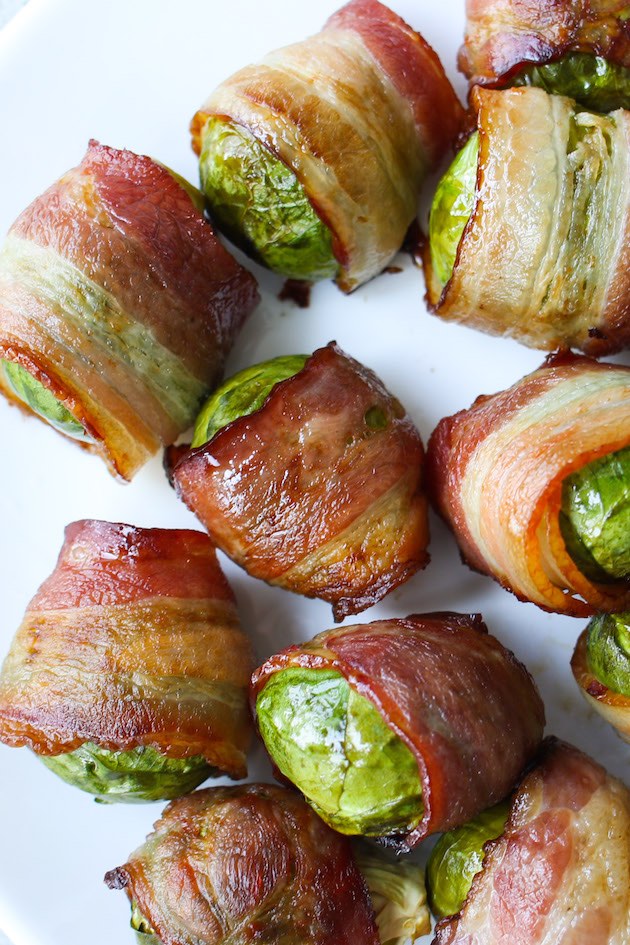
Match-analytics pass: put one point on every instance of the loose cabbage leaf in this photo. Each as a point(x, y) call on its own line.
point(32, 393)
point(398, 894)
point(591, 80)
point(452, 206)
point(608, 651)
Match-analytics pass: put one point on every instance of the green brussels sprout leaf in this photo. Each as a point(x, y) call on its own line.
point(591, 80)
point(144, 933)
point(595, 517)
point(243, 394)
point(334, 745)
point(398, 894)
point(608, 651)
point(452, 206)
point(139, 774)
point(32, 393)
point(260, 204)
point(458, 856)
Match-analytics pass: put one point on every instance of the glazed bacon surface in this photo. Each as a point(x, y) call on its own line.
point(612, 706)
point(133, 640)
point(319, 491)
point(247, 864)
point(116, 295)
point(504, 35)
point(495, 474)
point(359, 112)
point(560, 873)
point(463, 704)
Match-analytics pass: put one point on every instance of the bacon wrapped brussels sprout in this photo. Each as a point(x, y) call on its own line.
point(601, 666)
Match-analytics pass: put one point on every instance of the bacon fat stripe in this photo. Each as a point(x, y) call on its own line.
point(309, 493)
point(244, 864)
point(495, 474)
point(612, 706)
point(560, 873)
point(359, 112)
point(463, 704)
point(116, 295)
point(133, 640)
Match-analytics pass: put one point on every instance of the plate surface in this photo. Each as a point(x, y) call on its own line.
point(132, 75)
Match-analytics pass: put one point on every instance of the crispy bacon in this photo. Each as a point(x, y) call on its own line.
point(133, 640)
point(319, 491)
point(612, 706)
point(247, 864)
point(561, 870)
point(502, 36)
point(495, 474)
point(464, 705)
point(116, 295)
point(359, 112)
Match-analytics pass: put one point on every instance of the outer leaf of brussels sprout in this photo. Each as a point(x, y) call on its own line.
point(458, 856)
point(595, 517)
point(398, 894)
point(452, 206)
point(591, 80)
point(243, 394)
point(42, 402)
point(144, 933)
point(261, 205)
point(608, 651)
point(335, 747)
point(139, 774)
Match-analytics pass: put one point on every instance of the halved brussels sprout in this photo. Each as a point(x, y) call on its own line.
point(243, 394)
point(452, 206)
point(458, 856)
point(333, 744)
point(139, 774)
point(608, 651)
point(398, 894)
point(595, 517)
point(260, 204)
point(144, 933)
point(32, 393)
point(591, 80)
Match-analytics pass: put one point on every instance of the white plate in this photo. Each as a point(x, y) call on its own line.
point(131, 74)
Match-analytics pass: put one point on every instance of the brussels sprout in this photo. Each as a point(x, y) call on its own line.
point(591, 80)
point(452, 206)
point(398, 894)
point(42, 402)
point(139, 774)
point(261, 205)
point(608, 651)
point(144, 933)
point(333, 744)
point(458, 856)
point(595, 517)
point(243, 393)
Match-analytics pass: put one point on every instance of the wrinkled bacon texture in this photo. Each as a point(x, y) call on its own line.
point(247, 864)
point(121, 221)
point(359, 112)
point(304, 493)
point(560, 873)
point(133, 640)
point(503, 36)
point(612, 706)
point(464, 705)
point(495, 474)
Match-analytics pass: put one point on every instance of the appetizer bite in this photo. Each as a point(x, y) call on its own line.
point(128, 675)
point(253, 863)
point(552, 865)
point(399, 728)
point(118, 307)
point(308, 473)
point(313, 160)
point(529, 233)
point(601, 666)
point(579, 48)
point(535, 484)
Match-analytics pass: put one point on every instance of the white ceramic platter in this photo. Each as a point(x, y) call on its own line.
point(131, 74)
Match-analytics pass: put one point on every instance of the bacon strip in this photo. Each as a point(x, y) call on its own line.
point(247, 864)
point(503, 36)
point(305, 494)
point(495, 474)
point(560, 873)
point(464, 705)
point(359, 113)
point(117, 297)
point(612, 706)
point(133, 640)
